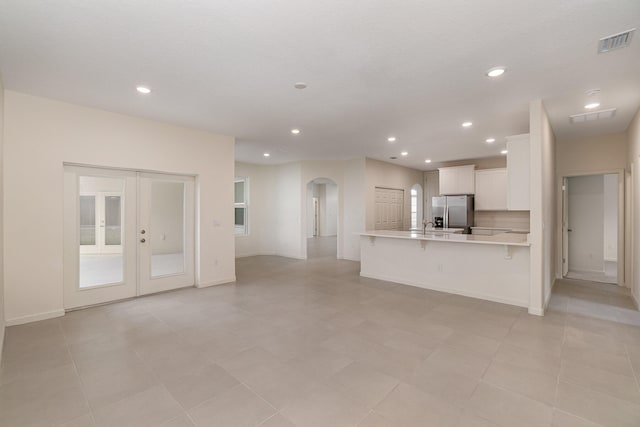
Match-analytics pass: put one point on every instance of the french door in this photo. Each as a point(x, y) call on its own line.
point(126, 233)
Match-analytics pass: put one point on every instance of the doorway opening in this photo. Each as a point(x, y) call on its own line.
point(322, 218)
point(593, 228)
point(126, 233)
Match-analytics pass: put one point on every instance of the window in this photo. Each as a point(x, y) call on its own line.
point(414, 208)
point(241, 206)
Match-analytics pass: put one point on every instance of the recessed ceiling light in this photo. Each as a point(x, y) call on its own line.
point(466, 124)
point(300, 85)
point(391, 139)
point(266, 154)
point(428, 161)
point(496, 71)
point(295, 131)
point(592, 105)
point(404, 153)
point(490, 140)
point(504, 152)
point(143, 89)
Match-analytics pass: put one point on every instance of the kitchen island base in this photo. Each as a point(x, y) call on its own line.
point(495, 271)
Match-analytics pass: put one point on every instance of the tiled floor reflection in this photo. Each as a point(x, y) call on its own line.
point(310, 343)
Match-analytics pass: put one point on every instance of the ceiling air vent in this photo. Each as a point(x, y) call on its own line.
point(615, 41)
point(592, 115)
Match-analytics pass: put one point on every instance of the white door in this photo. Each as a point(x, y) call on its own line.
point(91, 275)
point(165, 232)
point(107, 256)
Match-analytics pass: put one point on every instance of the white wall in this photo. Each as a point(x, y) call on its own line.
point(34, 157)
point(382, 174)
point(586, 219)
point(634, 246)
point(354, 206)
point(610, 207)
point(261, 237)
point(279, 206)
point(329, 219)
point(543, 207)
point(2, 309)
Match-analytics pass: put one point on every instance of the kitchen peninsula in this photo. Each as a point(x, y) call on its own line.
point(494, 268)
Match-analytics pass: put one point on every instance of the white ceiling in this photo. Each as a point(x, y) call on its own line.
point(413, 69)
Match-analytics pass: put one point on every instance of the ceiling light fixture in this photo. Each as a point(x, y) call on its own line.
point(404, 153)
point(490, 140)
point(496, 71)
point(466, 124)
point(295, 131)
point(504, 152)
point(592, 105)
point(428, 161)
point(391, 139)
point(143, 89)
point(266, 154)
point(300, 85)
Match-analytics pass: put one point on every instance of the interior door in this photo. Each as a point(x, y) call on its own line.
point(165, 232)
point(565, 226)
point(99, 258)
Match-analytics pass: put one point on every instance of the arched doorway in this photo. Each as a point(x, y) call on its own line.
point(322, 218)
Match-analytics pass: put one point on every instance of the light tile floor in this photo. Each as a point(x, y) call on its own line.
point(310, 343)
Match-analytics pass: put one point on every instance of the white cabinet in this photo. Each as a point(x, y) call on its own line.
point(518, 172)
point(491, 190)
point(457, 180)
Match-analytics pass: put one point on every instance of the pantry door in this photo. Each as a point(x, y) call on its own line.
point(166, 225)
point(99, 249)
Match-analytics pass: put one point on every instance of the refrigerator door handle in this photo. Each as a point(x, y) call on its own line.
point(446, 216)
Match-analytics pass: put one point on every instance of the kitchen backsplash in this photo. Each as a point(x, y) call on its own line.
point(502, 219)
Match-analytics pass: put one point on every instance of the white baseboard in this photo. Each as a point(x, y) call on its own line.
point(449, 290)
point(35, 317)
point(217, 282)
point(536, 311)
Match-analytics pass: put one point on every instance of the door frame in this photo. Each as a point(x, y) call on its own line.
point(71, 267)
point(622, 237)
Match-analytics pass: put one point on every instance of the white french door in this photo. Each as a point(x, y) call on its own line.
point(126, 233)
point(166, 229)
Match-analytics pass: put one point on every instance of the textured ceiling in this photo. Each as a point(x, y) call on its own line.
point(375, 68)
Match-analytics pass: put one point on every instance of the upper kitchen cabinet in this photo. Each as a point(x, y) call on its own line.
point(457, 180)
point(518, 172)
point(491, 190)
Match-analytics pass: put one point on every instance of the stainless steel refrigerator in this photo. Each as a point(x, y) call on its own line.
point(453, 212)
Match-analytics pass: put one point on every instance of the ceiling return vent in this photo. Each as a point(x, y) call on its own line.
point(615, 41)
point(592, 115)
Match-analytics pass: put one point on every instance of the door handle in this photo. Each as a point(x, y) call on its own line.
point(569, 230)
point(143, 240)
point(142, 231)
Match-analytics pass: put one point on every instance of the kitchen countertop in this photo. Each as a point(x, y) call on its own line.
point(513, 230)
point(509, 239)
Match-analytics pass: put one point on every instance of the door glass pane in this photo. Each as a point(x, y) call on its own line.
point(112, 218)
point(87, 220)
point(239, 192)
point(166, 228)
point(101, 261)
